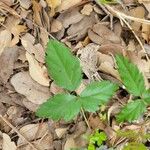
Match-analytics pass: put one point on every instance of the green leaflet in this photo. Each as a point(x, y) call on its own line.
point(60, 106)
point(97, 93)
point(146, 96)
point(130, 75)
point(62, 66)
point(135, 146)
point(132, 111)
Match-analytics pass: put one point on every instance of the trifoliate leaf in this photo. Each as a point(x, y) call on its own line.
point(130, 75)
point(132, 111)
point(95, 94)
point(60, 106)
point(62, 66)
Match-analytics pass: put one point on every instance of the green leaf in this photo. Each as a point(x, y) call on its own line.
point(130, 75)
point(132, 111)
point(146, 96)
point(60, 106)
point(135, 146)
point(62, 66)
point(95, 94)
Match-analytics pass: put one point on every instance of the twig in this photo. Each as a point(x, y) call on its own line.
point(19, 134)
point(82, 111)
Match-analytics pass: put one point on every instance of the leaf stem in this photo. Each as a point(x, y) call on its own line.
point(86, 120)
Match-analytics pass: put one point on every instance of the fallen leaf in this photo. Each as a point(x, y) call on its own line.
point(100, 34)
point(88, 59)
point(5, 40)
point(28, 43)
point(66, 4)
point(7, 143)
point(7, 60)
point(70, 17)
point(87, 9)
point(138, 12)
point(53, 3)
point(37, 71)
point(79, 30)
point(56, 26)
point(34, 92)
point(32, 132)
point(70, 143)
point(60, 132)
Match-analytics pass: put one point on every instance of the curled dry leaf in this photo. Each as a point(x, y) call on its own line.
point(88, 59)
point(37, 71)
point(34, 92)
point(7, 143)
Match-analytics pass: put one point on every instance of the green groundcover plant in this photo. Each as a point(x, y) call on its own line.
point(65, 70)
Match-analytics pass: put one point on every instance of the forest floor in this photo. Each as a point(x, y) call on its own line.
point(95, 32)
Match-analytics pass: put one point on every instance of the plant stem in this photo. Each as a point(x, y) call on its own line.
point(85, 118)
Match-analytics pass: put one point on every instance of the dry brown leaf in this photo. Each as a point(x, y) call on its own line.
point(5, 40)
point(37, 9)
point(70, 143)
point(28, 43)
point(60, 132)
point(87, 9)
point(44, 143)
point(138, 12)
point(32, 132)
point(38, 72)
point(34, 92)
point(29, 105)
point(53, 3)
point(25, 3)
point(55, 89)
point(7, 60)
point(66, 4)
point(56, 26)
point(88, 59)
point(100, 34)
point(146, 32)
point(79, 30)
point(7, 143)
point(70, 17)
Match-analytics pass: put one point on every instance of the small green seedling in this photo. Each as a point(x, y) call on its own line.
point(96, 139)
point(65, 70)
point(133, 80)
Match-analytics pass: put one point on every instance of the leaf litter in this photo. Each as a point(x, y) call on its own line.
point(95, 38)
